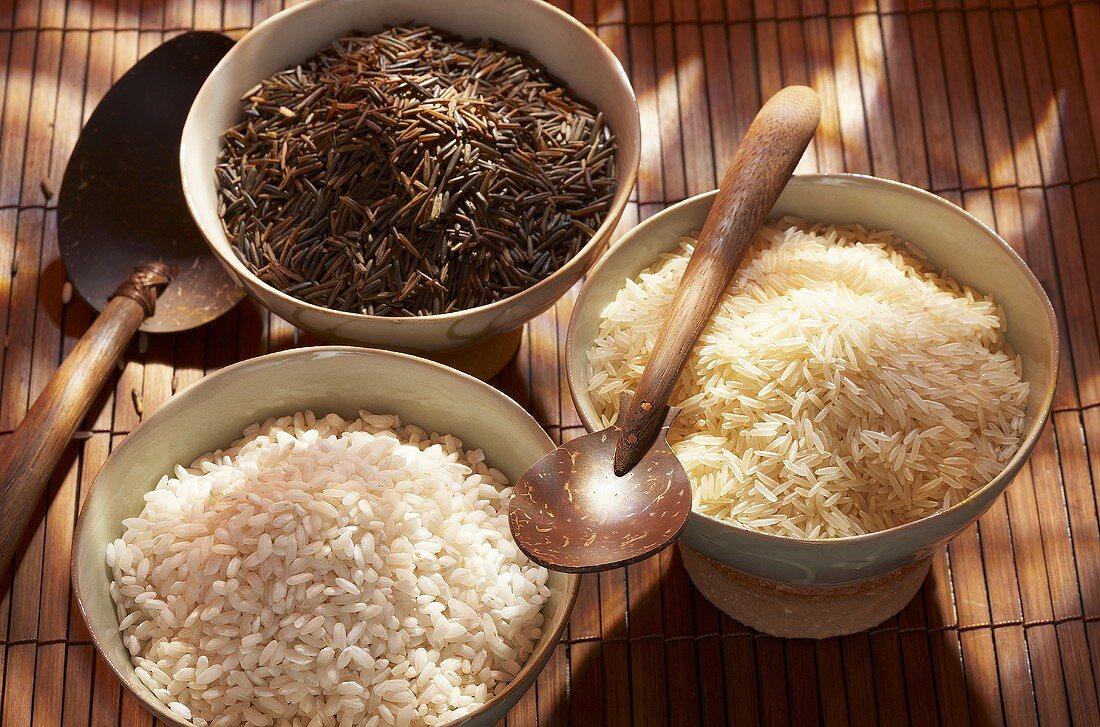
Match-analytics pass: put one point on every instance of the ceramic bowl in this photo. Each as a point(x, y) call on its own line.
point(569, 50)
point(953, 240)
point(214, 411)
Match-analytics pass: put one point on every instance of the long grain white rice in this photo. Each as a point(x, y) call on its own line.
point(842, 387)
point(327, 572)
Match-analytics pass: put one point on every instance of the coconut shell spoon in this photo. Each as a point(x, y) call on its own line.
point(619, 495)
point(131, 250)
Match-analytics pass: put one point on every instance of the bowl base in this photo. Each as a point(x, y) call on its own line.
point(802, 611)
point(483, 359)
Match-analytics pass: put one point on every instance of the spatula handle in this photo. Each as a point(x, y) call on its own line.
point(29, 455)
point(764, 162)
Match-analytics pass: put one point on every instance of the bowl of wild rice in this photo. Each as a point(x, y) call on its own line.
point(413, 175)
point(879, 371)
point(320, 536)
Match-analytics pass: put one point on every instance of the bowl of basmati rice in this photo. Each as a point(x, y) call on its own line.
point(320, 537)
point(879, 371)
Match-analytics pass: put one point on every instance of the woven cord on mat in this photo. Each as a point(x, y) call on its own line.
point(992, 105)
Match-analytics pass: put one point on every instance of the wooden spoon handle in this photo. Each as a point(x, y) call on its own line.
point(764, 162)
point(29, 455)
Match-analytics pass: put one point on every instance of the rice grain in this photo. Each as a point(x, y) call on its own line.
point(841, 387)
point(327, 572)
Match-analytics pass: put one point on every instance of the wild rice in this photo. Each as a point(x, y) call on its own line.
point(412, 172)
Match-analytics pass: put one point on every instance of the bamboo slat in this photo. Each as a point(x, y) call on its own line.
point(995, 104)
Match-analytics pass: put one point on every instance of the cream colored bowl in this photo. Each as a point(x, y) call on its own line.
point(568, 49)
point(953, 240)
point(214, 411)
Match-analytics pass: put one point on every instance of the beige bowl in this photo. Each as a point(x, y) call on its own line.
point(214, 411)
point(818, 572)
point(568, 49)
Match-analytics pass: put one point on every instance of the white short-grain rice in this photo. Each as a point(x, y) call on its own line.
point(842, 386)
point(327, 572)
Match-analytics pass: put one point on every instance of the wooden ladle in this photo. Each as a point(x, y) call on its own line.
point(619, 495)
point(131, 250)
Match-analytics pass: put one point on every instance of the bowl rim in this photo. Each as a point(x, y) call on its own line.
point(1011, 468)
point(180, 400)
point(602, 234)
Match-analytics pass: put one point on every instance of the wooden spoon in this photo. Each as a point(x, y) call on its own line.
point(619, 495)
point(131, 250)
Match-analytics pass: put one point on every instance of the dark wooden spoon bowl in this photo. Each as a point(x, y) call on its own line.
point(618, 519)
point(619, 495)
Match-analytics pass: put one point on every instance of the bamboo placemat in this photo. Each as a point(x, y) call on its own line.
point(992, 105)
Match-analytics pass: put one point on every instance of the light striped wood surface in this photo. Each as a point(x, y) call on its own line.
point(992, 105)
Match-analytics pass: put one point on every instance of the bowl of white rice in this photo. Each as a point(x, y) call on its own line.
point(878, 372)
point(320, 537)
